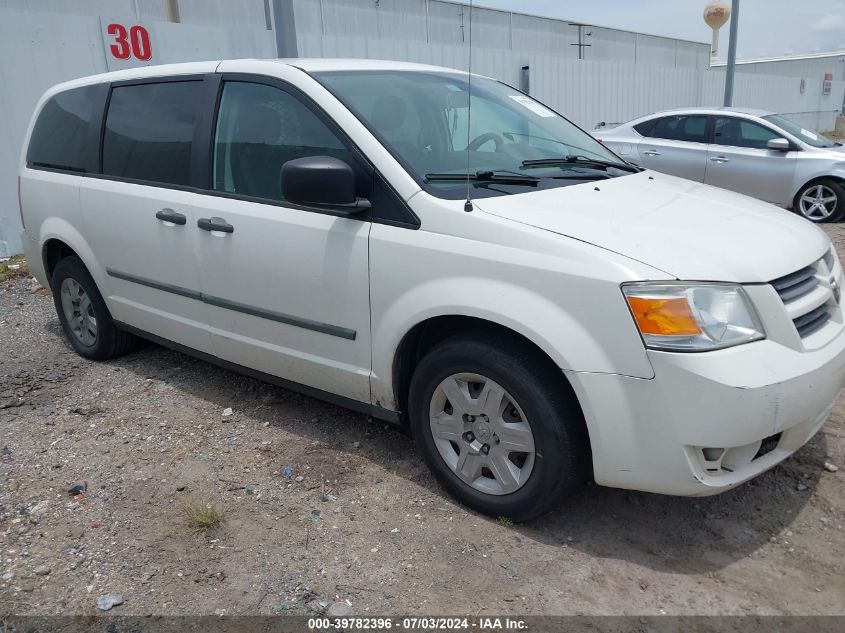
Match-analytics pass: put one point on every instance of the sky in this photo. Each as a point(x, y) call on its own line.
point(766, 27)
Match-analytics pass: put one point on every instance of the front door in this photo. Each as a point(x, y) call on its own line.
point(676, 145)
point(138, 216)
point(286, 286)
point(739, 160)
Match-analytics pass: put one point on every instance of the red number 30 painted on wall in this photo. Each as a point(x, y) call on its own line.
point(132, 43)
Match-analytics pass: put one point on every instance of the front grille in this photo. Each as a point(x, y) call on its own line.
point(807, 300)
point(797, 284)
point(812, 321)
point(828, 260)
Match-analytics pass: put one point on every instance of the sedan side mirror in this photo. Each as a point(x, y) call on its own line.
point(779, 144)
point(322, 181)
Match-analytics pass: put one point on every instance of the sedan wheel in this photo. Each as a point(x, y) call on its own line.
point(819, 203)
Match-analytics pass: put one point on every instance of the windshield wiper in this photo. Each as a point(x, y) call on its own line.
point(579, 160)
point(486, 176)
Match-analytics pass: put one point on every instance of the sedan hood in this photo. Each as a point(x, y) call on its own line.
point(836, 151)
point(686, 229)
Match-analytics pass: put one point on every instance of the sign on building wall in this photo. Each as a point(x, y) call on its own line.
point(827, 83)
point(126, 43)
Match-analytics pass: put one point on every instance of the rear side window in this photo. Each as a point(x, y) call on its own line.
point(692, 129)
point(148, 132)
point(644, 128)
point(59, 137)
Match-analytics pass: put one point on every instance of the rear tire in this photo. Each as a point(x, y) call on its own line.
point(522, 446)
point(821, 201)
point(85, 319)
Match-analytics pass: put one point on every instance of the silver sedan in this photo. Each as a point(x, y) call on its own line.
point(754, 152)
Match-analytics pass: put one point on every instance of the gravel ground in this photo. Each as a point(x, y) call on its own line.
point(358, 519)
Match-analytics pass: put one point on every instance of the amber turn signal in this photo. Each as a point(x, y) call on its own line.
point(667, 316)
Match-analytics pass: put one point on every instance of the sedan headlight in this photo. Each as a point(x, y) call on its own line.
point(692, 317)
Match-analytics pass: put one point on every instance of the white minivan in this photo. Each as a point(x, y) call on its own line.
point(306, 222)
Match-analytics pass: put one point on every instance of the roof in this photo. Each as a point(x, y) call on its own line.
point(577, 22)
point(717, 110)
point(199, 68)
point(784, 58)
point(321, 64)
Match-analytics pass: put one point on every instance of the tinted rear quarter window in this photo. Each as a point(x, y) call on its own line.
point(59, 137)
point(148, 131)
point(644, 128)
point(692, 129)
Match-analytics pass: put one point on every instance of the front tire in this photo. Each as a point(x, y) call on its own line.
point(85, 319)
point(497, 426)
point(822, 201)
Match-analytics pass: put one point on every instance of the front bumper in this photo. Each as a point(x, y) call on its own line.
point(698, 427)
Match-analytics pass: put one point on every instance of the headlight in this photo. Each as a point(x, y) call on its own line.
point(692, 317)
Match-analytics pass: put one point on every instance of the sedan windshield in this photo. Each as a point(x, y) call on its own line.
point(506, 141)
point(808, 136)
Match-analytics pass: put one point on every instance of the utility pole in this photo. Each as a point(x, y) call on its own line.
point(284, 24)
point(581, 37)
point(173, 11)
point(729, 70)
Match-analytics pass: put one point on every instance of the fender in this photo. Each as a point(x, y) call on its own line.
point(568, 341)
point(60, 229)
point(836, 173)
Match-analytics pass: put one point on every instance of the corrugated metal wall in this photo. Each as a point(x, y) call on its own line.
point(252, 13)
point(624, 75)
point(447, 23)
point(40, 48)
point(593, 91)
point(811, 108)
point(810, 67)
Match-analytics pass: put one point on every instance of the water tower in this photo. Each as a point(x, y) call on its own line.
point(715, 15)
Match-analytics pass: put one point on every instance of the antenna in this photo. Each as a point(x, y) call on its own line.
point(468, 203)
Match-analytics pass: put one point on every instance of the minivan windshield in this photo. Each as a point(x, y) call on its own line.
point(808, 136)
point(507, 142)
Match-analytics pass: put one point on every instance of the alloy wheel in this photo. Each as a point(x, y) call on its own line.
point(818, 203)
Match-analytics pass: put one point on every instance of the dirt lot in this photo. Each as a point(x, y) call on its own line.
point(359, 518)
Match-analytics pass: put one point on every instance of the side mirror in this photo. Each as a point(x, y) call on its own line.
point(779, 144)
point(322, 181)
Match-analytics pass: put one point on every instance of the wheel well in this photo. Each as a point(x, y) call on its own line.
point(836, 179)
point(428, 334)
point(53, 252)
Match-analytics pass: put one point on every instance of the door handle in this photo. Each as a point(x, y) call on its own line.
point(215, 224)
point(169, 215)
point(651, 152)
point(720, 159)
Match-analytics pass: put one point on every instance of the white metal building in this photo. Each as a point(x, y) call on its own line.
point(590, 73)
point(439, 22)
point(828, 66)
point(807, 66)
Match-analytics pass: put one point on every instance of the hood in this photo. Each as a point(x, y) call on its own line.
point(838, 151)
point(686, 229)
